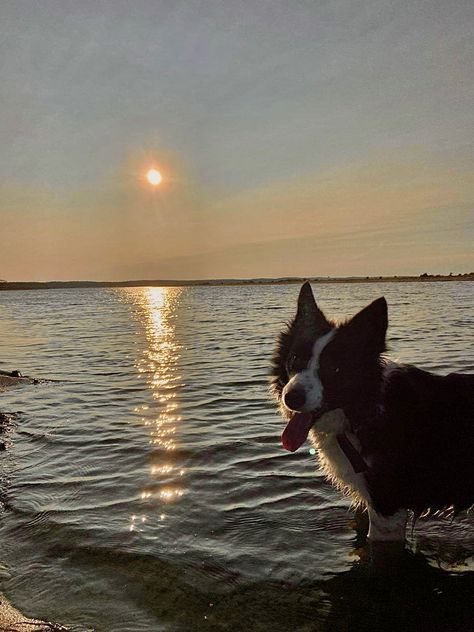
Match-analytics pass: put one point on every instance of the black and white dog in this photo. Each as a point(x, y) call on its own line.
point(393, 437)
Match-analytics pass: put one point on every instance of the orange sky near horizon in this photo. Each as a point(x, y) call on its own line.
point(378, 219)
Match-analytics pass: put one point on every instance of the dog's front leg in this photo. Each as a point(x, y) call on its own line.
point(387, 528)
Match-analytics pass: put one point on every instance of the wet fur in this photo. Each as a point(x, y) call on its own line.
point(414, 429)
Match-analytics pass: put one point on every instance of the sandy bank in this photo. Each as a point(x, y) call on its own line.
point(12, 619)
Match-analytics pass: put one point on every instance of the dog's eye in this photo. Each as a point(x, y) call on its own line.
point(336, 369)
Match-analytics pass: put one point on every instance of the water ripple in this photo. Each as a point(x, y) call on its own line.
point(153, 459)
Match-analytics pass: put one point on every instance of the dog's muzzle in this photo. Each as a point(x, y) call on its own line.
point(295, 398)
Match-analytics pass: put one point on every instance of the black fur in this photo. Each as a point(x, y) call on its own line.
point(424, 443)
point(415, 428)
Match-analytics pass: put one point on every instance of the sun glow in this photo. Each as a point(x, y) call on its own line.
point(154, 177)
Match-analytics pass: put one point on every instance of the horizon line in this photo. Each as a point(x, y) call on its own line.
point(5, 285)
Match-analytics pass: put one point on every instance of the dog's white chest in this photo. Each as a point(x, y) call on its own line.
point(333, 460)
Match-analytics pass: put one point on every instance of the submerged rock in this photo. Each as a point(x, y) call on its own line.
point(11, 378)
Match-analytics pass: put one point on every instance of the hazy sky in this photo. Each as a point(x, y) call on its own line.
point(295, 138)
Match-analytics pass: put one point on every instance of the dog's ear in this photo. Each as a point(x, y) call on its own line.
point(369, 326)
point(309, 314)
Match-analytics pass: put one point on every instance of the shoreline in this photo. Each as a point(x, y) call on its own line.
point(6, 286)
point(10, 617)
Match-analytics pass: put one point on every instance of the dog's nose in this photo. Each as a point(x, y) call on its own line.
point(295, 398)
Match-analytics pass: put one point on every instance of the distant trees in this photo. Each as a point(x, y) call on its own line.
point(425, 275)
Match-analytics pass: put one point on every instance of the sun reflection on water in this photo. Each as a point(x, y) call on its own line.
point(159, 366)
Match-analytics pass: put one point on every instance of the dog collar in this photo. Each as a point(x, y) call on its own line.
point(353, 456)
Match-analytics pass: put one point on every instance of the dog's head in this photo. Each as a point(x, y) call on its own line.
point(319, 366)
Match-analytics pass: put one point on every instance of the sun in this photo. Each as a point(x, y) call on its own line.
point(154, 177)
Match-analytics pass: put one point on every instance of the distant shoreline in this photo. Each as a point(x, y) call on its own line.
point(50, 285)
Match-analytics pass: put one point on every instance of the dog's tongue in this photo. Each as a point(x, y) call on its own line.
point(296, 431)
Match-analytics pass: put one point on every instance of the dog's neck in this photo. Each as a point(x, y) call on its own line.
point(337, 424)
point(361, 414)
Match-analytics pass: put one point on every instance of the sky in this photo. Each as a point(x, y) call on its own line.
point(306, 138)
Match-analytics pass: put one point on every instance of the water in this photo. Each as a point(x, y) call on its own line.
point(145, 488)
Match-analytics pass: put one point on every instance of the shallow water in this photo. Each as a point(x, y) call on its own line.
point(145, 488)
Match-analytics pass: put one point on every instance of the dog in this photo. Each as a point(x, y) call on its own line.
point(393, 437)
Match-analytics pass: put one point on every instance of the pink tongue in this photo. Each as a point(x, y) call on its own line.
point(296, 431)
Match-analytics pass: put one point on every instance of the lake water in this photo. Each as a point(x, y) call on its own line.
point(145, 488)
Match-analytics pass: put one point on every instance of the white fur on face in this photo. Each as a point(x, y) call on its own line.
point(309, 378)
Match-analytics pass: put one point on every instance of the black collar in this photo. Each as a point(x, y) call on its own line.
point(353, 456)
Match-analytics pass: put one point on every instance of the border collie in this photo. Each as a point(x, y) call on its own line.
point(392, 437)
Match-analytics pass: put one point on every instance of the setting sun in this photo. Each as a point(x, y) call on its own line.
point(154, 177)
